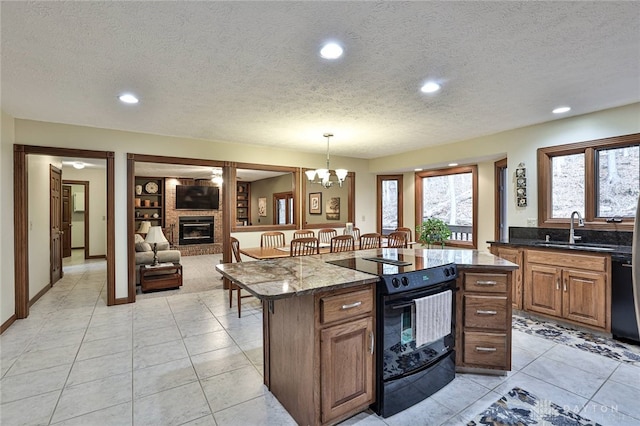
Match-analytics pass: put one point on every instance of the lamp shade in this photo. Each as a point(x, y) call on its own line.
point(145, 225)
point(155, 236)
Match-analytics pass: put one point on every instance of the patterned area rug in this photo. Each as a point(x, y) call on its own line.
point(584, 340)
point(520, 408)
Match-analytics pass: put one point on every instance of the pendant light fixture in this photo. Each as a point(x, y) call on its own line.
point(323, 176)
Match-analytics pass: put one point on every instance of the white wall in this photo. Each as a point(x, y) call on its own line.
point(518, 145)
point(97, 178)
point(38, 167)
point(7, 272)
point(30, 132)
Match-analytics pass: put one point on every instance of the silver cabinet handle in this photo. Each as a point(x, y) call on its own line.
point(351, 305)
point(557, 283)
point(481, 312)
point(486, 282)
point(372, 342)
point(482, 349)
point(565, 284)
point(626, 265)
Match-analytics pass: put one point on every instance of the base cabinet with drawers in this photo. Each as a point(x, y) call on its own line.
point(573, 287)
point(484, 330)
point(319, 360)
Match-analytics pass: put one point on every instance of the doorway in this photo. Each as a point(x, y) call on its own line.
point(501, 230)
point(79, 213)
point(389, 199)
point(21, 218)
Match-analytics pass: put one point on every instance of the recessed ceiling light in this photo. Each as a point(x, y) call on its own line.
point(417, 170)
point(78, 165)
point(561, 110)
point(430, 87)
point(128, 98)
point(331, 51)
point(453, 164)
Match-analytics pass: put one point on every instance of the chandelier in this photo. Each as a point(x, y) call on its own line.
point(322, 176)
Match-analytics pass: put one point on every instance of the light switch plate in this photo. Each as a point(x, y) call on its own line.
point(532, 222)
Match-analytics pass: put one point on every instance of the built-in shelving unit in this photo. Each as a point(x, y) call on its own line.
point(149, 200)
point(243, 203)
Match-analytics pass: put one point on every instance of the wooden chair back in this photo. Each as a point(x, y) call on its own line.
point(272, 239)
point(355, 233)
point(407, 231)
point(342, 243)
point(397, 239)
point(325, 235)
point(235, 249)
point(371, 240)
point(304, 233)
point(304, 246)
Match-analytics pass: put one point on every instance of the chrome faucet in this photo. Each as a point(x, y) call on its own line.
point(572, 236)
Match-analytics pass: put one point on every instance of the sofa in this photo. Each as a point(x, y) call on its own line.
point(144, 254)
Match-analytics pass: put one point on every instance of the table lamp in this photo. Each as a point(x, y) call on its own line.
point(155, 236)
point(145, 225)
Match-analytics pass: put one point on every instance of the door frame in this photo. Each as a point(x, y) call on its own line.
point(21, 219)
point(500, 197)
point(84, 183)
point(53, 217)
point(379, 180)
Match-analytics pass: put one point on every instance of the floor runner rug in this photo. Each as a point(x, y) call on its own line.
point(521, 408)
point(583, 340)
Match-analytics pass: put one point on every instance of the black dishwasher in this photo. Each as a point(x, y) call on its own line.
point(624, 323)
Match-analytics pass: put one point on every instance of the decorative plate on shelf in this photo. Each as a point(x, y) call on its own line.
point(151, 187)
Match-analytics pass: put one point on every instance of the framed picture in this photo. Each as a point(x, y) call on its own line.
point(521, 172)
point(521, 182)
point(521, 192)
point(522, 201)
point(315, 203)
point(262, 206)
point(333, 208)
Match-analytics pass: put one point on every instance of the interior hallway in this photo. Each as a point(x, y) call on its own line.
point(188, 360)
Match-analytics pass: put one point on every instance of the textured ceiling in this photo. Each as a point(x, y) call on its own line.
point(249, 72)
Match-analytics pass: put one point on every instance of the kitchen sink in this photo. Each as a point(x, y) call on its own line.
point(576, 246)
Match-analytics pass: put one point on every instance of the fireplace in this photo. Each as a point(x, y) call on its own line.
point(196, 230)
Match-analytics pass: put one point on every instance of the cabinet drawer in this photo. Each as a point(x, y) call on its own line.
point(485, 312)
point(485, 349)
point(341, 306)
point(488, 283)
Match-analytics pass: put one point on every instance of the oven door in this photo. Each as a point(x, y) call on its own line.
point(400, 355)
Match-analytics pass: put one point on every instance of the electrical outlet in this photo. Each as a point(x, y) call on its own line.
point(363, 218)
point(532, 222)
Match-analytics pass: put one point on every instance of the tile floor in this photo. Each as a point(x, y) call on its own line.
point(188, 360)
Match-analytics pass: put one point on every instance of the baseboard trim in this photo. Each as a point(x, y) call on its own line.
point(5, 325)
point(97, 256)
point(39, 295)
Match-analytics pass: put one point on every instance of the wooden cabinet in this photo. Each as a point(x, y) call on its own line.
point(243, 204)
point(574, 287)
point(319, 359)
point(513, 255)
point(483, 336)
point(149, 201)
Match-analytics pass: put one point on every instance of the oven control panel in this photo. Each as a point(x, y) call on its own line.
point(414, 280)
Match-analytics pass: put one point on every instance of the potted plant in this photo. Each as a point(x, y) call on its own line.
point(432, 231)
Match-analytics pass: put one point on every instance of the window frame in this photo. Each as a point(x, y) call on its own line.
point(473, 169)
point(589, 149)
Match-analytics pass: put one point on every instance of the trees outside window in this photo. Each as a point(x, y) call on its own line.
point(450, 195)
point(600, 179)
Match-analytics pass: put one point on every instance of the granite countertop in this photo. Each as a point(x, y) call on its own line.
point(618, 250)
point(296, 276)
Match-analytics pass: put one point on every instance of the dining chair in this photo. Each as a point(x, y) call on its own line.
point(341, 243)
point(370, 240)
point(355, 233)
point(397, 239)
point(407, 231)
point(304, 246)
point(304, 233)
point(325, 235)
point(272, 239)
point(235, 251)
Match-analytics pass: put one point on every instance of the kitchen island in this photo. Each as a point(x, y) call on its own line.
point(319, 324)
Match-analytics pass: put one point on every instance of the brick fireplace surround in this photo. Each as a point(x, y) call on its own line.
point(172, 218)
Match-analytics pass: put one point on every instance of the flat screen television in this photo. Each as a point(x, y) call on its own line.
point(192, 197)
